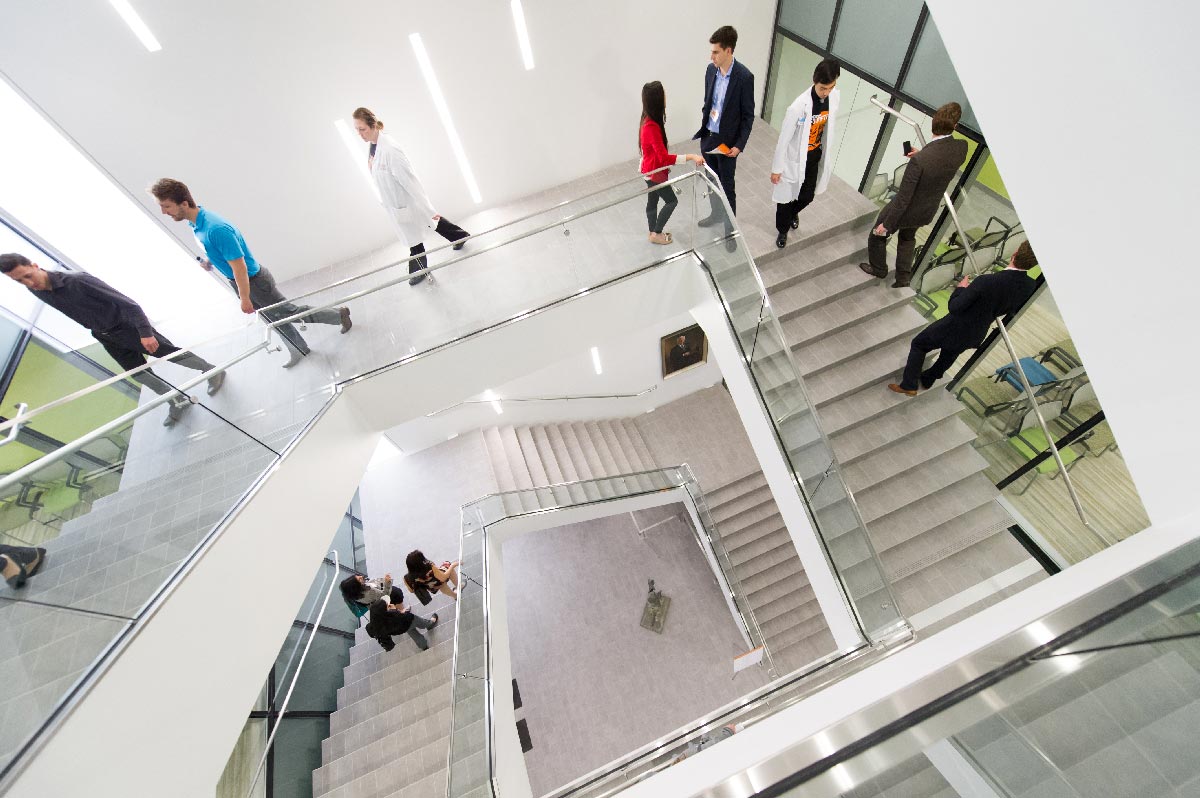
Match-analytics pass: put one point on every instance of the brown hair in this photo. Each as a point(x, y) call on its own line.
point(725, 37)
point(174, 190)
point(945, 118)
point(368, 116)
point(1023, 258)
point(12, 260)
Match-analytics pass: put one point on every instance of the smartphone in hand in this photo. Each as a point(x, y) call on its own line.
point(908, 148)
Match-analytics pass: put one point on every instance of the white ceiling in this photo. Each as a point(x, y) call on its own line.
point(240, 101)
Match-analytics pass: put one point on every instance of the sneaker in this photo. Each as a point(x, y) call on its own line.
point(215, 382)
point(175, 410)
point(346, 323)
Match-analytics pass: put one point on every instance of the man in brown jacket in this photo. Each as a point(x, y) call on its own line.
point(929, 171)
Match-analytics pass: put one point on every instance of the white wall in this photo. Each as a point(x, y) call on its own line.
point(240, 101)
point(630, 364)
point(1093, 111)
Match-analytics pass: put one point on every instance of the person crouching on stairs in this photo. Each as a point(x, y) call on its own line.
point(385, 620)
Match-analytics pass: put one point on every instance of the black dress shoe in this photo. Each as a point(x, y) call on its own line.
point(796, 223)
point(731, 245)
point(417, 279)
point(781, 242)
point(866, 267)
point(418, 265)
point(708, 221)
point(459, 246)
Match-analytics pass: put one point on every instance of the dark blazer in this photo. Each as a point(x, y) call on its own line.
point(737, 116)
point(925, 180)
point(974, 308)
point(383, 623)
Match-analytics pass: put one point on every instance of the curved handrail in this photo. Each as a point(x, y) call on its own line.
point(271, 325)
point(1003, 328)
point(296, 676)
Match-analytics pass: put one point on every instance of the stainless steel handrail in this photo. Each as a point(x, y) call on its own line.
point(17, 420)
point(452, 244)
point(271, 325)
point(1012, 352)
point(790, 359)
point(70, 448)
point(96, 386)
point(502, 399)
point(296, 676)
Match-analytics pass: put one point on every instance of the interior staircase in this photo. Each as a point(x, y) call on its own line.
point(918, 483)
point(390, 736)
point(744, 511)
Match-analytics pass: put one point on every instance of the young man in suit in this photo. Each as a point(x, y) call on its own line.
point(974, 305)
point(727, 116)
point(929, 171)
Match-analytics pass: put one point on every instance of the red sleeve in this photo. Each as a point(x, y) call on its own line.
point(654, 154)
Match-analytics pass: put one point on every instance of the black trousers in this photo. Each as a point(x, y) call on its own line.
point(927, 340)
point(786, 212)
point(447, 230)
point(125, 347)
point(654, 219)
point(725, 167)
point(906, 247)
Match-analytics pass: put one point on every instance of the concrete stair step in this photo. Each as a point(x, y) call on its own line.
point(517, 466)
point(884, 423)
point(898, 323)
point(734, 515)
point(922, 447)
point(762, 521)
point(418, 668)
point(819, 291)
point(888, 497)
point(778, 573)
point(806, 257)
point(759, 554)
point(788, 577)
point(583, 469)
point(934, 510)
point(843, 312)
point(880, 365)
point(349, 754)
point(380, 775)
point(732, 490)
point(791, 602)
point(562, 456)
point(549, 464)
point(639, 444)
point(958, 534)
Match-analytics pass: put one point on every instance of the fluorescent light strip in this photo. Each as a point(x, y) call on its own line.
point(439, 102)
point(136, 24)
point(522, 33)
point(354, 147)
point(596, 360)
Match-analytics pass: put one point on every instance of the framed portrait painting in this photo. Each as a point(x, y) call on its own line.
point(683, 349)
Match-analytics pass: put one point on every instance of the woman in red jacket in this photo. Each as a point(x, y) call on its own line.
point(653, 141)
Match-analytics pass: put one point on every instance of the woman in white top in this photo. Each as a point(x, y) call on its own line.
point(799, 171)
point(401, 192)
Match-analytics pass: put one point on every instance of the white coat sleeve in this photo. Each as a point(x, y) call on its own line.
point(400, 169)
point(786, 131)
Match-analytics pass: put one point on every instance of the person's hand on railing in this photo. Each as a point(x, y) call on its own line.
point(964, 282)
point(150, 344)
point(696, 159)
point(204, 263)
point(247, 305)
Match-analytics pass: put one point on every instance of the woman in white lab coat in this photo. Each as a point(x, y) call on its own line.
point(401, 193)
point(799, 170)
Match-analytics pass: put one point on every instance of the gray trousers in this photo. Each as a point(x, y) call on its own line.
point(125, 346)
point(419, 623)
point(263, 292)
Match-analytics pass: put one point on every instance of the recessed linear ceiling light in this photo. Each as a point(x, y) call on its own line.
point(354, 147)
point(522, 33)
point(596, 360)
point(135, 24)
point(439, 102)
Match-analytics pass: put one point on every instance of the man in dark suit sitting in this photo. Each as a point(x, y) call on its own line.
point(727, 117)
point(929, 171)
point(974, 305)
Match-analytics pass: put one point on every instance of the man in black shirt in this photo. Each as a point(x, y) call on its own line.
point(115, 320)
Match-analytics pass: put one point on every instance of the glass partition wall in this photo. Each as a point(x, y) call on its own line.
point(903, 64)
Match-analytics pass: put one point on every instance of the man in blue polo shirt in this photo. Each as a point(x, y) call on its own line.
point(228, 254)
